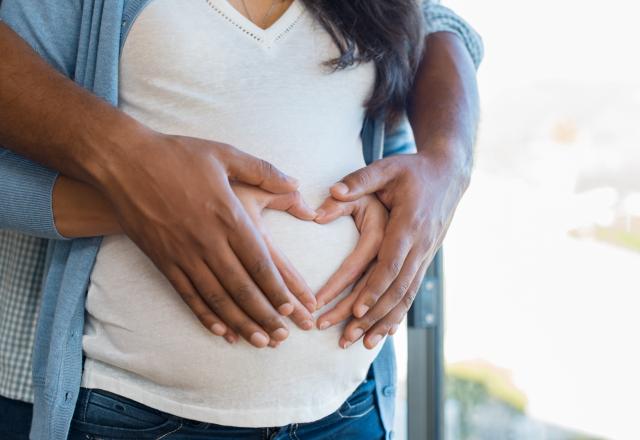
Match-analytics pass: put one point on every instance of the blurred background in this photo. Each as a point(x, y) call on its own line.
point(542, 263)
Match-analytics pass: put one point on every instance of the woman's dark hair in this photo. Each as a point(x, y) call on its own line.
point(387, 32)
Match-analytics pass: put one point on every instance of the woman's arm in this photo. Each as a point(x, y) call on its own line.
point(79, 210)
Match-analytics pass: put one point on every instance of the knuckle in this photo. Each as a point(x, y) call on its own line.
point(205, 318)
point(187, 295)
point(362, 178)
point(407, 301)
point(215, 301)
point(383, 328)
point(395, 266)
point(229, 216)
point(265, 169)
point(398, 293)
point(243, 293)
point(374, 294)
point(260, 267)
point(410, 297)
point(414, 226)
point(403, 286)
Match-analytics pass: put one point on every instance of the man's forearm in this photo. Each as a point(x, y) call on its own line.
point(443, 105)
point(46, 117)
point(171, 195)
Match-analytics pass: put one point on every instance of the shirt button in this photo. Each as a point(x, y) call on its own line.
point(388, 391)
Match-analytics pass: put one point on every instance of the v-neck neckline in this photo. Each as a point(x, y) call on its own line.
point(266, 36)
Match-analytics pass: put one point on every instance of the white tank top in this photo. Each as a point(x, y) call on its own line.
point(200, 68)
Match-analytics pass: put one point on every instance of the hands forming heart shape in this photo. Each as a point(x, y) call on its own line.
point(370, 217)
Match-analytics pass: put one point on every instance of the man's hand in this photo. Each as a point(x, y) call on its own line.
point(170, 194)
point(421, 196)
point(173, 197)
point(421, 190)
point(82, 211)
point(255, 200)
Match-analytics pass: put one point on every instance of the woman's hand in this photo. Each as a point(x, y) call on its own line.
point(370, 217)
point(255, 200)
point(421, 193)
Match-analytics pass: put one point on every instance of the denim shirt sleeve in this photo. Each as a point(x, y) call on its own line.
point(26, 187)
point(441, 19)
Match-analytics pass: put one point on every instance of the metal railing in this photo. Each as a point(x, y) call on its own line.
point(426, 358)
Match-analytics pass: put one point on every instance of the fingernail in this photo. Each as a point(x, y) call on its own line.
point(274, 344)
point(280, 334)
point(324, 325)
point(285, 309)
point(230, 339)
point(307, 325)
point(311, 306)
point(361, 310)
point(345, 344)
point(394, 329)
point(356, 334)
point(259, 340)
point(341, 188)
point(375, 340)
point(218, 329)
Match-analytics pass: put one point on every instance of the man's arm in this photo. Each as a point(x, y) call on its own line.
point(171, 194)
point(421, 190)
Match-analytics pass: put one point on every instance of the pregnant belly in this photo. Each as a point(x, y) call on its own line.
point(138, 325)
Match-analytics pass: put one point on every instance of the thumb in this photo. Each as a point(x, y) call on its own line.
point(249, 169)
point(367, 180)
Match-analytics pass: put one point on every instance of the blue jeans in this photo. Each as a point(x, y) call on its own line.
point(101, 415)
point(15, 419)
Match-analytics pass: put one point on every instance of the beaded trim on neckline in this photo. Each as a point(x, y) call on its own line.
point(268, 36)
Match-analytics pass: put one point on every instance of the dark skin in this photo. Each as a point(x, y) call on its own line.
point(154, 183)
point(421, 192)
point(130, 165)
point(82, 211)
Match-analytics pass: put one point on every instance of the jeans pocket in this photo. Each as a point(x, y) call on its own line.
point(101, 415)
point(360, 403)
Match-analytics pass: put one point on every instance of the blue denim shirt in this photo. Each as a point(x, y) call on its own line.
point(83, 39)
